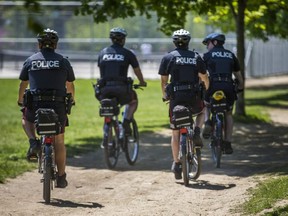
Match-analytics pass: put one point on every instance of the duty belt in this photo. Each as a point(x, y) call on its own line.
point(184, 87)
point(37, 98)
point(115, 83)
point(221, 79)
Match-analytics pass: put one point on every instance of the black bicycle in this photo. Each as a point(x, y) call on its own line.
point(47, 126)
point(189, 153)
point(114, 138)
point(218, 110)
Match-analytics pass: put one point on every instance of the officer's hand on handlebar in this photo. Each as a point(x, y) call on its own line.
point(20, 104)
point(165, 98)
point(144, 84)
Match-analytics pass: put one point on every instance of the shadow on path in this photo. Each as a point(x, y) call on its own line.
point(258, 148)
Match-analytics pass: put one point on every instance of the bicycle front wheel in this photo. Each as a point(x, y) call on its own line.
point(194, 162)
point(110, 143)
point(47, 174)
point(131, 145)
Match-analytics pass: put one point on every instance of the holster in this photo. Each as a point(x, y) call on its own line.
point(69, 103)
point(28, 99)
point(202, 90)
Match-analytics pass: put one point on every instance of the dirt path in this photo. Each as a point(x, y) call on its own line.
point(149, 188)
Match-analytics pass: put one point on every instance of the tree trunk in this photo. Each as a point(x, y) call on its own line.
point(240, 25)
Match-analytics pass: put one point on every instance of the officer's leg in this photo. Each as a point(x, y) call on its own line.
point(229, 126)
point(29, 129)
point(131, 109)
point(60, 153)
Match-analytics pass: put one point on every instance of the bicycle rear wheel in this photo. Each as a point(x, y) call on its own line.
point(194, 162)
point(216, 145)
point(184, 159)
point(110, 143)
point(47, 175)
point(131, 145)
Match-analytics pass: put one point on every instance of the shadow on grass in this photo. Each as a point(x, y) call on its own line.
point(87, 145)
point(271, 102)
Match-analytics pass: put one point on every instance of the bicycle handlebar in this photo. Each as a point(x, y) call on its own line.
point(138, 86)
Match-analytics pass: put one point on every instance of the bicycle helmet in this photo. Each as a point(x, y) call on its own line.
point(214, 36)
point(118, 33)
point(48, 37)
point(181, 38)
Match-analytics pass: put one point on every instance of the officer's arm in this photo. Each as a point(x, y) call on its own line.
point(164, 81)
point(239, 77)
point(139, 75)
point(71, 89)
point(22, 86)
point(204, 78)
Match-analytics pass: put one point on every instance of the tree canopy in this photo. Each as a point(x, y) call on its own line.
point(263, 18)
point(253, 18)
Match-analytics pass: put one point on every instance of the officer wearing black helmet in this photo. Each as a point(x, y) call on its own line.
point(221, 64)
point(187, 71)
point(50, 77)
point(113, 62)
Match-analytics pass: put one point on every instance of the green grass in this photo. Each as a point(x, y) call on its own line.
point(266, 195)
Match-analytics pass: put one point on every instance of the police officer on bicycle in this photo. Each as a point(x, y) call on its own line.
point(113, 62)
point(221, 64)
point(187, 73)
point(50, 77)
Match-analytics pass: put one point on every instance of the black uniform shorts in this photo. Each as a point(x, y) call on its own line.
point(121, 92)
point(227, 88)
point(186, 98)
point(59, 108)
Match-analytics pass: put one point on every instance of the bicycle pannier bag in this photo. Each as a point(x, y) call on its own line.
point(47, 122)
point(181, 117)
point(108, 107)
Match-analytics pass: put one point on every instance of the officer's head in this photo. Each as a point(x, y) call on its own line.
point(118, 35)
point(181, 38)
point(215, 39)
point(48, 38)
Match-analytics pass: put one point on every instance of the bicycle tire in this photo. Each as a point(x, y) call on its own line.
point(216, 145)
point(47, 175)
point(40, 161)
point(195, 163)
point(131, 144)
point(110, 143)
point(184, 159)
